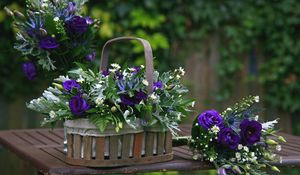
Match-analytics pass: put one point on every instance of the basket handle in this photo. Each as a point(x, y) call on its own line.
point(148, 57)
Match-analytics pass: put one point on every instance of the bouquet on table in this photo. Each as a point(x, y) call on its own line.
point(236, 141)
point(53, 35)
point(116, 97)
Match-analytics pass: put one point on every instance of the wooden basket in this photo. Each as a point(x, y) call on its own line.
point(86, 146)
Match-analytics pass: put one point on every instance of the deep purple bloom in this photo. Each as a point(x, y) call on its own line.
point(70, 84)
point(78, 105)
point(229, 138)
point(136, 99)
point(91, 57)
point(71, 7)
point(105, 73)
point(29, 69)
point(136, 70)
point(157, 85)
point(89, 20)
point(48, 43)
point(250, 131)
point(76, 25)
point(209, 118)
point(119, 75)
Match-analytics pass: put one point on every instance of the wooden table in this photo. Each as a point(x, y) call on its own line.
point(43, 148)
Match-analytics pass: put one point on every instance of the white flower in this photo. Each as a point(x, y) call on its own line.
point(62, 78)
point(238, 156)
point(269, 124)
point(278, 147)
point(181, 70)
point(50, 96)
point(52, 114)
point(215, 129)
point(240, 146)
point(211, 159)
point(56, 19)
point(99, 101)
point(256, 99)
point(252, 154)
point(246, 149)
point(228, 109)
point(153, 96)
point(142, 66)
point(177, 76)
point(80, 79)
point(116, 66)
point(193, 104)
point(256, 117)
point(145, 82)
point(126, 113)
point(44, 5)
point(171, 77)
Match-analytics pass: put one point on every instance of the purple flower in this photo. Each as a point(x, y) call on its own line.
point(105, 73)
point(29, 69)
point(136, 70)
point(209, 118)
point(76, 25)
point(136, 99)
point(71, 7)
point(78, 105)
point(89, 20)
point(91, 57)
point(250, 131)
point(70, 84)
point(229, 138)
point(157, 85)
point(48, 43)
point(119, 75)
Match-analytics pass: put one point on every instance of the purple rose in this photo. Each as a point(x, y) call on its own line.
point(136, 99)
point(78, 105)
point(136, 70)
point(72, 7)
point(209, 118)
point(70, 84)
point(89, 20)
point(76, 25)
point(157, 85)
point(119, 75)
point(29, 69)
point(229, 138)
point(250, 131)
point(48, 43)
point(105, 73)
point(91, 57)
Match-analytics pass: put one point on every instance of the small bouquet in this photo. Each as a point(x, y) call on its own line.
point(235, 141)
point(54, 35)
point(116, 97)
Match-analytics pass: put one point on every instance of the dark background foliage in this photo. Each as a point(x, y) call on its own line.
point(253, 47)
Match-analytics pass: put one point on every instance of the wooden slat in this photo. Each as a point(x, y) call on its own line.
point(87, 152)
point(168, 142)
point(126, 145)
point(160, 143)
point(100, 147)
point(113, 147)
point(137, 148)
point(70, 150)
point(149, 143)
point(76, 146)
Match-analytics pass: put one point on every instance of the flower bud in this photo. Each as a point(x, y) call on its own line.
point(236, 169)
point(43, 32)
point(8, 11)
point(19, 14)
point(271, 142)
point(274, 168)
point(281, 139)
point(58, 86)
point(113, 109)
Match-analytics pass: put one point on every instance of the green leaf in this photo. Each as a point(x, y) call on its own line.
point(100, 121)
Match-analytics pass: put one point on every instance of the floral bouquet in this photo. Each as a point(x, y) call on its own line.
point(53, 35)
point(236, 141)
point(116, 97)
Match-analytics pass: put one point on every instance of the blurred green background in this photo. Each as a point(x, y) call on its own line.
point(229, 49)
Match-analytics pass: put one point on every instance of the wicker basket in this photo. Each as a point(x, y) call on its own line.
point(86, 146)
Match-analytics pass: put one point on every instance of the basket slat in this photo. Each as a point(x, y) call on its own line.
point(160, 143)
point(87, 142)
point(77, 146)
point(100, 147)
point(149, 144)
point(113, 147)
point(126, 145)
point(138, 142)
point(70, 145)
point(168, 142)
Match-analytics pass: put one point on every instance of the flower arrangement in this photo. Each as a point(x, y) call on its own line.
point(116, 97)
point(53, 34)
point(235, 141)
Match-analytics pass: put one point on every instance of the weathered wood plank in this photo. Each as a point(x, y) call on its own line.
point(138, 140)
point(76, 146)
point(160, 143)
point(126, 146)
point(149, 143)
point(100, 147)
point(113, 147)
point(87, 152)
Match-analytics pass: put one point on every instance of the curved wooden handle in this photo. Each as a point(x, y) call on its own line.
point(148, 57)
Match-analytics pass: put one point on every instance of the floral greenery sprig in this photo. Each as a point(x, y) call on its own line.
point(235, 141)
point(116, 96)
point(54, 35)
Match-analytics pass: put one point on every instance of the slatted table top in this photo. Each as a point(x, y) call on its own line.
point(43, 148)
